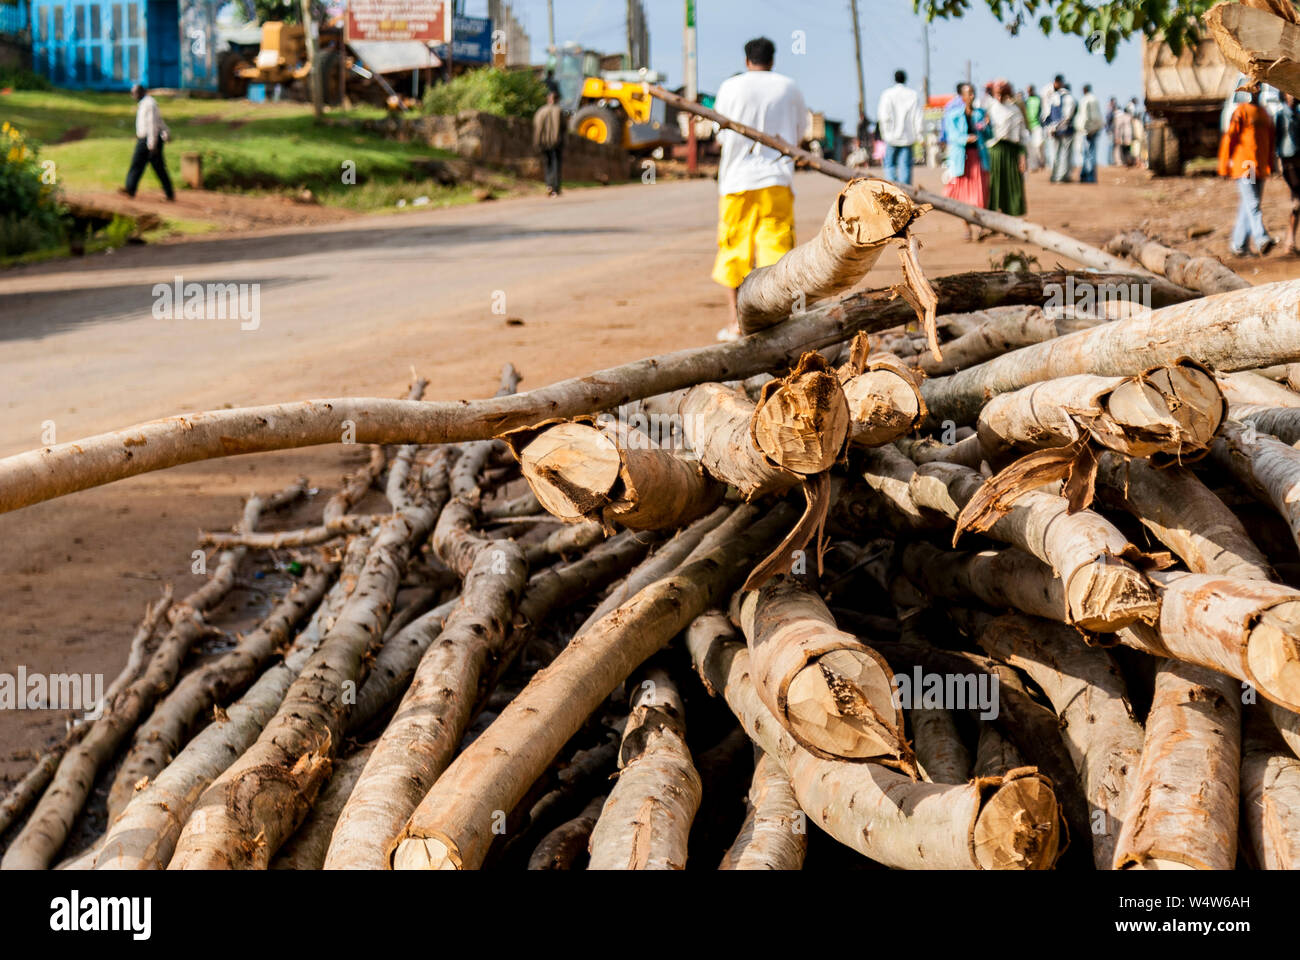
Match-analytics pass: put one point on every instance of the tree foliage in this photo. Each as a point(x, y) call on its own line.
point(1102, 25)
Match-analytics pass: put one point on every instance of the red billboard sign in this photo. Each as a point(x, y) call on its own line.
point(397, 20)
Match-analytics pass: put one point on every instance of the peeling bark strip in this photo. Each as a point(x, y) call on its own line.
point(1171, 412)
point(645, 822)
point(173, 720)
point(1248, 629)
point(579, 472)
point(1268, 467)
point(1270, 796)
point(864, 219)
point(144, 836)
point(1230, 331)
point(452, 828)
point(1087, 692)
point(39, 475)
point(829, 689)
point(1103, 588)
point(1001, 333)
point(1183, 809)
point(258, 802)
point(716, 420)
point(994, 824)
point(1202, 274)
point(774, 836)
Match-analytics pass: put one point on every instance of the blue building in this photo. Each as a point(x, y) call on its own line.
point(112, 44)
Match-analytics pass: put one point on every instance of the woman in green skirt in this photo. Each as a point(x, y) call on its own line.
point(1007, 152)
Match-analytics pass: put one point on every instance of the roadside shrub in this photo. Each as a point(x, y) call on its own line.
point(31, 217)
point(505, 93)
point(18, 78)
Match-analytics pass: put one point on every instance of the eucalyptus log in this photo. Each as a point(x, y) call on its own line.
point(801, 421)
point(1010, 823)
point(716, 421)
point(1270, 796)
point(565, 847)
point(452, 827)
point(646, 821)
point(1008, 579)
point(774, 835)
point(884, 399)
point(1242, 330)
point(1248, 386)
point(306, 849)
point(1268, 467)
point(1280, 422)
point(995, 755)
point(940, 752)
point(1087, 692)
point(1183, 809)
point(1203, 274)
point(867, 216)
point(828, 688)
point(1016, 327)
point(1259, 42)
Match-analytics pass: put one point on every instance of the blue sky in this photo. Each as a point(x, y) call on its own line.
point(891, 39)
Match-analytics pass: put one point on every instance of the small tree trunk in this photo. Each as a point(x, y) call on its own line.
point(646, 821)
point(1267, 466)
point(774, 835)
point(1231, 331)
point(453, 826)
point(1249, 387)
point(995, 755)
point(830, 690)
point(1001, 333)
point(1276, 421)
point(865, 218)
point(884, 400)
point(1270, 796)
point(1010, 823)
point(940, 752)
point(565, 847)
point(1006, 579)
point(306, 849)
point(716, 421)
point(1202, 274)
point(1264, 44)
point(802, 421)
point(1183, 810)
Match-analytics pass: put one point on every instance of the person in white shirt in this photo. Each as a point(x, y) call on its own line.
point(150, 134)
point(755, 183)
point(1088, 124)
point(899, 121)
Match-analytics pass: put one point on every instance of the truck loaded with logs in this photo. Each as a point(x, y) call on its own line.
point(574, 640)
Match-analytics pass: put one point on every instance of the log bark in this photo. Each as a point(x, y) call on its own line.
point(143, 837)
point(995, 755)
point(1229, 331)
point(1017, 327)
point(646, 821)
point(1202, 274)
point(1268, 467)
point(1183, 809)
point(258, 802)
point(565, 847)
point(174, 719)
point(716, 422)
point(40, 840)
point(452, 827)
point(1259, 43)
point(1006, 579)
point(867, 216)
point(940, 752)
point(1249, 387)
point(1280, 422)
point(999, 823)
point(884, 399)
point(579, 472)
point(39, 475)
point(828, 688)
point(1088, 694)
point(308, 846)
point(569, 539)
point(774, 836)
point(1270, 796)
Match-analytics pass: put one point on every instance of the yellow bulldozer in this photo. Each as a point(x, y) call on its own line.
point(612, 107)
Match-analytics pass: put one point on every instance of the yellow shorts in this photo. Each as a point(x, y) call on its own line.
point(755, 229)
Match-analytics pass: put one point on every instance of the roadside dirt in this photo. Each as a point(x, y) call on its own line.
point(76, 573)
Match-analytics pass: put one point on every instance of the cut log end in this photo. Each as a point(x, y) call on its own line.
point(872, 211)
point(424, 853)
point(1174, 411)
point(1273, 654)
point(1108, 595)
point(1019, 827)
point(571, 468)
point(802, 425)
point(841, 704)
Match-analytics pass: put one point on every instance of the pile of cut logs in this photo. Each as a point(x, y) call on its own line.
point(1009, 586)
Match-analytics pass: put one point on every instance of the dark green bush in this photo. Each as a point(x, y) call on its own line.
point(505, 93)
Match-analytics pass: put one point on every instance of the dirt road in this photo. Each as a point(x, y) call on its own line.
point(557, 287)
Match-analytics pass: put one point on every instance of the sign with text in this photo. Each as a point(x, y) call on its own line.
point(397, 20)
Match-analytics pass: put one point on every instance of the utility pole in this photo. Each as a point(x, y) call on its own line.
point(925, 73)
point(550, 25)
point(690, 67)
point(857, 50)
point(313, 58)
point(969, 74)
point(631, 34)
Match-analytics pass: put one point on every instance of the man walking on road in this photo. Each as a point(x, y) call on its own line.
point(548, 139)
point(899, 119)
point(755, 183)
point(1088, 124)
point(1246, 155)
point(1060, 125)
point(150, 134)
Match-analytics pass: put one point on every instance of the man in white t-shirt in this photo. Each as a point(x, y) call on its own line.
point(755, 183)
point(899, 120)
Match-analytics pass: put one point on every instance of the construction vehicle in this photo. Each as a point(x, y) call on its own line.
point(1185, 96)
point(612, 107)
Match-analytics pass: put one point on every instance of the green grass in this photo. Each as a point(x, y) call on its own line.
point(246, 147)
